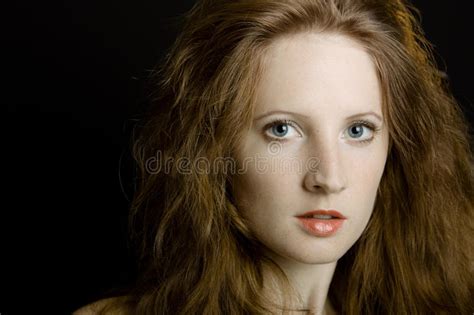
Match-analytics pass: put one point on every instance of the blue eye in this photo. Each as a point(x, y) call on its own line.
point(280, 129)
point(357, 131)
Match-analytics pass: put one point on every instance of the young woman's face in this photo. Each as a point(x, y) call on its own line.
point(325, 92)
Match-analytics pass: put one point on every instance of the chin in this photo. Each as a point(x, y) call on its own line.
point(318, 258)
point(309, 257)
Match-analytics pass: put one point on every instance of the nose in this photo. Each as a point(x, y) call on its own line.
point(326, 172)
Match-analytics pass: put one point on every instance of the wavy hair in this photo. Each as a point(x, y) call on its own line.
point(197, 254)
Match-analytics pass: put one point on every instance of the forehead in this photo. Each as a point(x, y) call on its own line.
point(305, 70)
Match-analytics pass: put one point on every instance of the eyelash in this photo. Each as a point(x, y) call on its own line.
point(293, 124)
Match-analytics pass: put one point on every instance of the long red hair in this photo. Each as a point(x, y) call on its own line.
point(197, 253)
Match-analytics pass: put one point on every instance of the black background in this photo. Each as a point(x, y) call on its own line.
point(73, 82)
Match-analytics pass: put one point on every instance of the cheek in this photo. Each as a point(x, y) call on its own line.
point(253, 188)
point(365, 173)
point(262, 175)
point(366, 166)
point(263, 195)
point(248, 187)
point(366, 177)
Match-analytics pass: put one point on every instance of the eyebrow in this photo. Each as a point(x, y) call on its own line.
point(369, 113)
point(280, 112)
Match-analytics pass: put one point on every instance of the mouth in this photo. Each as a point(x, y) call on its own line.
point(322, 215)
point(321, 223)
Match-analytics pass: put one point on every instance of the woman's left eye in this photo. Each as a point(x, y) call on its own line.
point(362, 131)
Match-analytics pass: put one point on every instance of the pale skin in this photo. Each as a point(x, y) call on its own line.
point(324, 84)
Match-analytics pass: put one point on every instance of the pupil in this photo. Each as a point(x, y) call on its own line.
point(356, 129)
point(281, 129)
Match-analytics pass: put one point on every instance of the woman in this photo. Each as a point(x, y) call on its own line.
point(380, 221)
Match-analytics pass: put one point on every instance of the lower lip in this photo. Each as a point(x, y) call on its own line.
point(321, 227)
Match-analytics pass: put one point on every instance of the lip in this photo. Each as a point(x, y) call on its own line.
point(333, 213)
point(321, 227)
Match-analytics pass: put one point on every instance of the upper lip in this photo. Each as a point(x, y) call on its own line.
point(333, 213)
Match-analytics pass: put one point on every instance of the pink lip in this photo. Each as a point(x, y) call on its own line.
point(322, 227)
point(333, 213)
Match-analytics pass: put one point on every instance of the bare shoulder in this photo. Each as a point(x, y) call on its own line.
point(98, 306)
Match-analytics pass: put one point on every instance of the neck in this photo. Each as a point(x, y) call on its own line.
point(311, 282)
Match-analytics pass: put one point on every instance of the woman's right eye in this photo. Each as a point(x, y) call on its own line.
point(280, 129)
